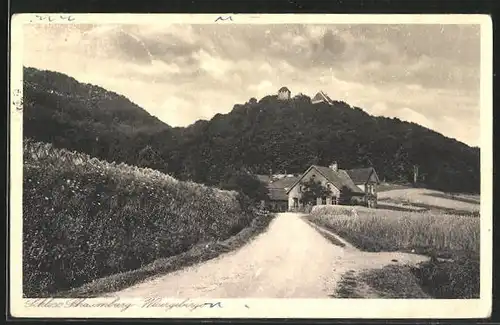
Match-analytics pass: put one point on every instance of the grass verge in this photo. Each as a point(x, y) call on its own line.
point(434, 279)
point(391, 282)
point(326, 234)
point(455, 279)
point(199, 253)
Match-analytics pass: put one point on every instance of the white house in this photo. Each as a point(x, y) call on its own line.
point(341, 186)
point(284, 93)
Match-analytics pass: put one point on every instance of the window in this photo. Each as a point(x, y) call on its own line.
point(313, 176)
point(295, 202)
point(323, 200)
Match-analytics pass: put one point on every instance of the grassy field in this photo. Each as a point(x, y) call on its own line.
point(85, 219)
point(386, 230)
point(383, 187)
point(452, 237)
point(447, 203)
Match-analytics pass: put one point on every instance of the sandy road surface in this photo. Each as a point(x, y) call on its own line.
point(289, 260)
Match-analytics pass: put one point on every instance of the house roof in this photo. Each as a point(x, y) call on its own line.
point(322, 96)
point(327, 97)
point(284, 183)
point(361, 175)
point(339, 178)
point(277, 194)
point(277, 189)
point(264, 178)
point(284, 89)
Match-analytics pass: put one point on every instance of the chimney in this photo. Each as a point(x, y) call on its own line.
point(334, 166)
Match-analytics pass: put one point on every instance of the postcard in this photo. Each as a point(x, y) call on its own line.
point(250, 166)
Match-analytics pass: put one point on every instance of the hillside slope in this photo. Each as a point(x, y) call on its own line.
point(288, 137)
point(256, 137)
point(87, 118)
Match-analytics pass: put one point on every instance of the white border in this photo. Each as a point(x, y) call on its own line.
point(262, 308)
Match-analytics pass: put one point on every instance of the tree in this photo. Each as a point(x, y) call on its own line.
point(148, 157)
point(289, 135)
point(302, 98)
point(311, 190)
point(244, 183)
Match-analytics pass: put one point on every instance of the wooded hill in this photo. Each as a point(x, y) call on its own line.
point(255, 137)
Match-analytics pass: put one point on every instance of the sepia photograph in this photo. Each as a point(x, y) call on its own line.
point(251, 166)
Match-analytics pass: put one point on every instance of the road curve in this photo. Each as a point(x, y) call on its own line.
point(289, 260)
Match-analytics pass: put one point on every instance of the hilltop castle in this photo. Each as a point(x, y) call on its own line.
point(321, 97)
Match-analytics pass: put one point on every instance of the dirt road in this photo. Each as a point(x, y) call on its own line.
point(289, 260)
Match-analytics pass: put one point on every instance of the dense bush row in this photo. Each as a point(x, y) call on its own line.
point(84, 218)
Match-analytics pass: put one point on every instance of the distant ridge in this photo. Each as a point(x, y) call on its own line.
point(258, 136)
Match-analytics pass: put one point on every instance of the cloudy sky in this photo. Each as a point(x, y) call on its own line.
point(428, 74)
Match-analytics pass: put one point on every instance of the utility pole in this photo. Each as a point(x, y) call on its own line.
point(415, 174)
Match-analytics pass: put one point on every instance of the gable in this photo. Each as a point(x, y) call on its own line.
point(302, 177)
point(373, 177)
point(318, 98)
point(321, 97)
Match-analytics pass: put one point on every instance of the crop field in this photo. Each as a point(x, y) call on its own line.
point(463, 204)
point(84, 219)
point(386, 230)
point(452, 242)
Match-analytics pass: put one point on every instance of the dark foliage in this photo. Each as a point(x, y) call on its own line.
point(258, 135)
point(394, 282)
point(246, 184)
point(84, 218)
point(454, 279)
point(313, 190)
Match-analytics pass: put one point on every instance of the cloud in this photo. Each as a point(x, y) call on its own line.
point(262, 88)
point(181, 72)
point(410, 115)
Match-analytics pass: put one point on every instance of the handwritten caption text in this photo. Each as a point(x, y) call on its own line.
point(121, 305)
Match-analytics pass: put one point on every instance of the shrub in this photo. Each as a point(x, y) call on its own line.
point(457, 278)
point(357, 201)
point(84, 218)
